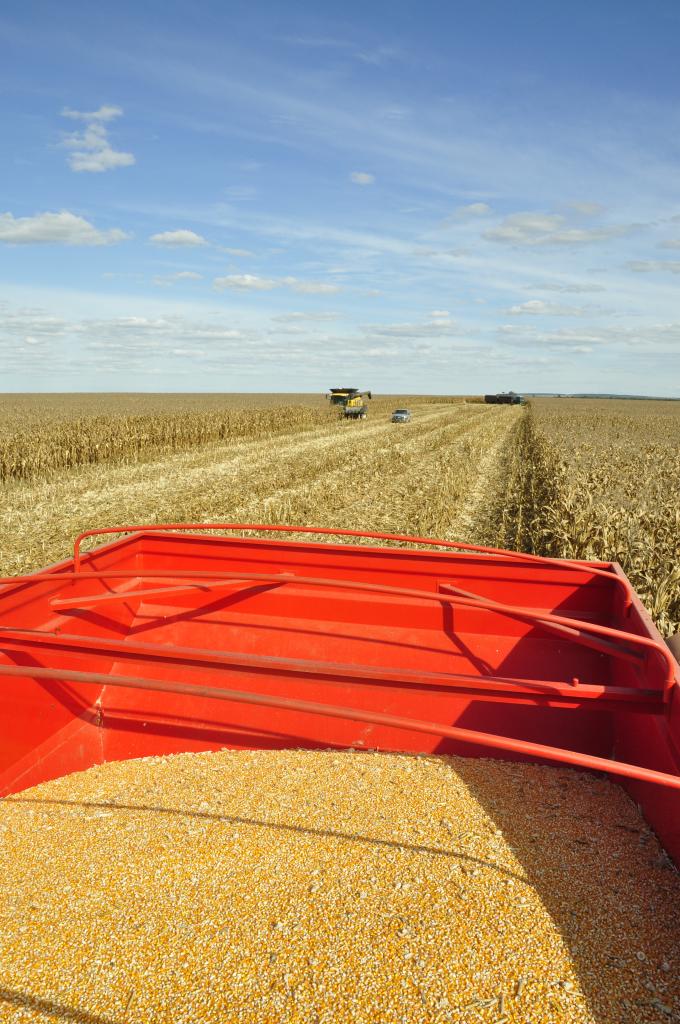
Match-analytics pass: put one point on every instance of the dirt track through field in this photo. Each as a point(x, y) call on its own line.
point(413, 478)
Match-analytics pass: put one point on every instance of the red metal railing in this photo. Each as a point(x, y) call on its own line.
point(368, 534)
point(589, 634)
point(613, 642)
point(540, 691)
point(481, 739)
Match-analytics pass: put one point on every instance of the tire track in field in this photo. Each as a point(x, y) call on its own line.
point(417, 492)
point(477, 517)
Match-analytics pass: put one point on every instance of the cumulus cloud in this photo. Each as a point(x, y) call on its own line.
point(472, 210)
point(651, 266)
point(437, 314)
point(103, 114)
point(548, 229)
point(251, 282)
point(245, 283)
point(362, 178)
point(536, 307)
point(30, 325)
point(178, 238)
point(55, 228)
point(92, 150)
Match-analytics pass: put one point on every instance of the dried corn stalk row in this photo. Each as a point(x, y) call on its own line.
point(601, 480)
point(43, 436)
point(33, 454)
point(337, 474)
point(37, 411)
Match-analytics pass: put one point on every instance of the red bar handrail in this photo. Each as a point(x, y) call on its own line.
point(483, 739)
point(369, 534)
point(547, 619)
point(199, 658)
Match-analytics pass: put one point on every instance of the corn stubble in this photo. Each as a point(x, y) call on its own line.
point(412, 478)
point(319, 887)
point(567, 478)
point(44, 435)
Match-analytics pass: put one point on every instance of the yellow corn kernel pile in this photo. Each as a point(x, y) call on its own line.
point(325, 887)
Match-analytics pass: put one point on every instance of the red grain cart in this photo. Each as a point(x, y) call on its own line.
point(166, 641)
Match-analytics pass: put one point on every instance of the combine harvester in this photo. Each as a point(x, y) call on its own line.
point(351, 401)
point(171, 638)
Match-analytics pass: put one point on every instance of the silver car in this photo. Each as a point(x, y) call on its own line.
point(401, 416)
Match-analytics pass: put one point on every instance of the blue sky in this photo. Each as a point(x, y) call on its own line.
point(422, 197)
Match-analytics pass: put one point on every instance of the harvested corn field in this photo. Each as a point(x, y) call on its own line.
point(567, 477)
point(45, 435)
point(419, 477)
point(321, 886)
point(601, 480)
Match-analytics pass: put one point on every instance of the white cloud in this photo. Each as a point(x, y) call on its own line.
point(244, 253)
point(178, 238)
point(548, 229)
point(362, 178)
point(55, 228)
point(650, 266)
point(670, 243)
point(245, 283)
point(91, 147)
point(536, 307)
point(103, 114)
point(251, 282)
point(104, 159)
point(566, 337)
point(437, 314)
point(473, 210)
point(311, 287)
point(643, 339)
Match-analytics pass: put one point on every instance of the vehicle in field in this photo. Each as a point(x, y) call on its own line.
point(351, 401)
point(504, 398)
point(401, 416)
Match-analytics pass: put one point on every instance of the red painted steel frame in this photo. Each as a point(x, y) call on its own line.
point(386, 648)
point(553, 623)
point(366, 534)
point(483, 739)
